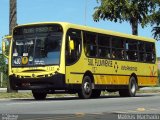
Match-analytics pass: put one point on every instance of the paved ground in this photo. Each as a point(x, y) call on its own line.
point(74, 108)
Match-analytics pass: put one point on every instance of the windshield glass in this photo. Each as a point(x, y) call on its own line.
point(37, 45)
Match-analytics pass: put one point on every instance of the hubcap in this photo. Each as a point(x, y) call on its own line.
point(87, 87)
point(133, 87)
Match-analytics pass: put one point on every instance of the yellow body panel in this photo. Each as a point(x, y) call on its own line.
point(111, 80)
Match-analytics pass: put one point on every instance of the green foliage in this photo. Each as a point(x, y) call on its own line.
point(159, 76)
point(4, 69)
point(5, 81)
point(3, 66)
point(156, 32)
point(155, 20)
point(133, 11)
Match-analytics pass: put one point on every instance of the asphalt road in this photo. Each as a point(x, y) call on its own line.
point(75, 108)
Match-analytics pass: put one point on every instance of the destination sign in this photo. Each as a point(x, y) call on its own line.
point(37, 29)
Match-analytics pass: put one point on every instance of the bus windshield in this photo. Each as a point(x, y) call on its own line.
point(37, 45)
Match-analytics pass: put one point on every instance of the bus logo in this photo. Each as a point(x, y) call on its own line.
point(152, 71)
point(116, 67)
point(24, 60)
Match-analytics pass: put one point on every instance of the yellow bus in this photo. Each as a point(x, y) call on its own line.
point(54, 57)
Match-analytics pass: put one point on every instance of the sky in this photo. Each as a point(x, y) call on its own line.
point(73, 11)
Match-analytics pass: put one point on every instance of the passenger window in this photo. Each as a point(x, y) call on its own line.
point(150, 52)
point(142, 56)
point(104, 46)
point(90, 44)
point(118, 48)
point(132, 50)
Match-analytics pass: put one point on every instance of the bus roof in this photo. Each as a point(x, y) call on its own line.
point(92, 29)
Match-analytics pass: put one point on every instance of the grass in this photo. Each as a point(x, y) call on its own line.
point(15, 95)
point(4, 95)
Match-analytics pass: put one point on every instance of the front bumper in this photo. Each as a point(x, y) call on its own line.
point(53, 82)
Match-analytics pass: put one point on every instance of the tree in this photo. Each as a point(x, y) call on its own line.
point(12, 24)
point(133, 11)
point(2, 64)
point(155, 20)
point(12, 15)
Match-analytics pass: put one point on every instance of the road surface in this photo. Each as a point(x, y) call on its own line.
point(75, 108)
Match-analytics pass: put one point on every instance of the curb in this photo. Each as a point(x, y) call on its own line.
point(3, 89)
point(150, 88)
point(19, 91)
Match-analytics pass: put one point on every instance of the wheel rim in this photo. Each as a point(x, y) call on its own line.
point(87, 87)
point(133, 87)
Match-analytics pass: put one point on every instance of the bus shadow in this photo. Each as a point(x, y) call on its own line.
point(62, 98)
point(77, 98)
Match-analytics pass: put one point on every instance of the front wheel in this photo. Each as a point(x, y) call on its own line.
point(39, 95)
point(86, 88)
point(131, 90)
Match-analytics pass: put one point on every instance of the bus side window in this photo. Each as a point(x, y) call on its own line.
point(104, 46)
point(118, 48)
point(90, 44)
point(132, 50)
point(142, 56)
point(73, 55)
point(150, 52)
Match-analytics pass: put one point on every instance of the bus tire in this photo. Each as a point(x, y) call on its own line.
point(96, 93)
point(131, 90)
point(39, 95)
point(85, 91)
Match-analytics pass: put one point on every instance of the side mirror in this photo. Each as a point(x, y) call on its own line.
point(5, 45)
point(71, 44)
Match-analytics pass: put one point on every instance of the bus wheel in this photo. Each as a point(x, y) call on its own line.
point(39, 95)
point(86, 88)
point(96, 93)
point(131, 90)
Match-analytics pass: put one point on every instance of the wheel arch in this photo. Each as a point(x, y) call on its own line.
point(90, 74)
point(135, 76)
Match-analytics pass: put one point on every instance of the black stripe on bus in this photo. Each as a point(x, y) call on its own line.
point(111, 74)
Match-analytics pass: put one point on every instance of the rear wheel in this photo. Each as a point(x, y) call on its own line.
point(39, 95)
point(131, 90)
point(86, 88)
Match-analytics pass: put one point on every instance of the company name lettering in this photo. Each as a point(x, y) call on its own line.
point(100, 62)
point(129, 68)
